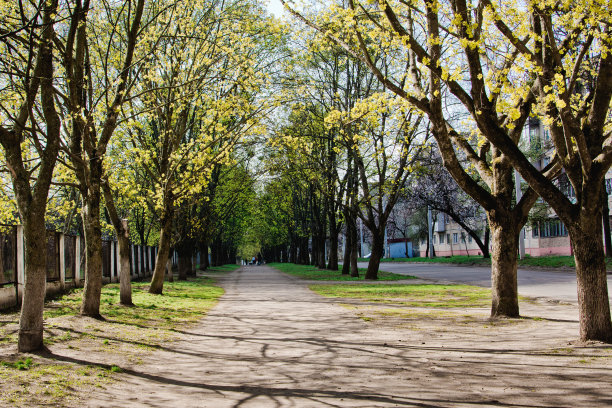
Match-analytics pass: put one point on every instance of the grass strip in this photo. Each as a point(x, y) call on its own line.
point(310, 272)
point(552, 261)
point(417, 295)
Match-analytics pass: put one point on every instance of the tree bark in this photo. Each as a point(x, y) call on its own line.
point(605, 215)
point(354, 252)
point(321, 263)
point(504, 289)
point(204, 256)
point(378, 248)
point(32, 201)
point(333, 244)
point(346, 264)
point(31, 318)
point(165, 235)
point(169, 271)
point(184, 262)
point(593, 301)
point(125, 278)
point(123, 239)
point(90, 305)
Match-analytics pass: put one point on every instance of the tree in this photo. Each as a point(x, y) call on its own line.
point(93, 95)
point(437, 190)
point(382, 144)
point(201, 94)
point(30, 137)
point(422, 66)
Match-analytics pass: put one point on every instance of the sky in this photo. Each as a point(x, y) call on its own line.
point(275, 7)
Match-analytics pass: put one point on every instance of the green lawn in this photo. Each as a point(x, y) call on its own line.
point(222, 268)
point(124, 336)
point(182, 301)
point(458, 259)
point(418, 295)
point(310, 272)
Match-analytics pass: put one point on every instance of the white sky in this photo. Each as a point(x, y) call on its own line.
point(275, 7)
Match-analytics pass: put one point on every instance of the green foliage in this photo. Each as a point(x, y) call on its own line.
point(310, 272)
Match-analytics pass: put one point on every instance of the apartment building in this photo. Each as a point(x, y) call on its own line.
point(544, 234)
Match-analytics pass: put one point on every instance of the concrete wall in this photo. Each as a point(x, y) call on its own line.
point(11, 294)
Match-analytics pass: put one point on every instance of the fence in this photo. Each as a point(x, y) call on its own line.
point(65, 262)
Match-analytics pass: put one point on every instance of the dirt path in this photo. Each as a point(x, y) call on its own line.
point(271, 342)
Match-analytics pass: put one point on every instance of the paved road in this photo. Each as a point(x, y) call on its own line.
point(560, 285)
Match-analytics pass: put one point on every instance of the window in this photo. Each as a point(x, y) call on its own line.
point(441, 238)
point(469, 238)
point(455, 238)
point(546, 134)
point(551, 228)
point(533, 133)
point(609, 186)
point(433, 239)
point(448, 238)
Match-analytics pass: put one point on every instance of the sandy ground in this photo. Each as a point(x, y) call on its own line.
point(271, 342)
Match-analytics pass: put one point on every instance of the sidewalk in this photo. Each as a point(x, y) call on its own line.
point(271, 342)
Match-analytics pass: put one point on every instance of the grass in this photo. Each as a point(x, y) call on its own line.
point(552, 261)
point(419, 295)
point(44, 384)
point(222, 268)
point(457, 259)
point(182, 302)
point(310, 272)
point(122, 337)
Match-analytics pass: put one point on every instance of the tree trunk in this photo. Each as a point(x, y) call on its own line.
point(353, 258)
point(378, 248)
point(503, 267)
point(605, 215)
point(184, 262)
point(321, 263)
point(169, 270)
point(333, 242)
point(354, 249)
point(346, 264)
point(485, 247)
point(125, 278)
point(332, 264)
point(122, 229)
point(31, 318)
point(204, 256)
point(304, 255)
point(593, 302)
point(314, 259)
point(90, 305)
point(165, 235)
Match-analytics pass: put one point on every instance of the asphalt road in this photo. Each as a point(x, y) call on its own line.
point(557, 284)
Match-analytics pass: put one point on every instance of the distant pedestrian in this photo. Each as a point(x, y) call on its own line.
point(253, 261)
